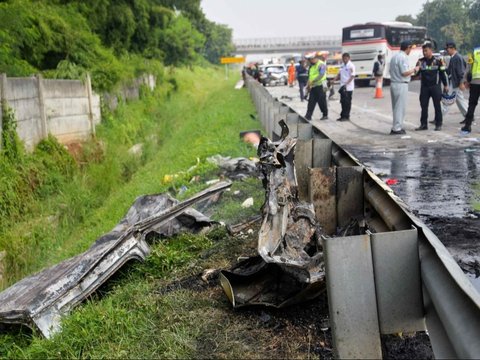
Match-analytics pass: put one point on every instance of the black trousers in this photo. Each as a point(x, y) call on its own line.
point(317, 96)
point(434, 92)
point(472, 103)
point(346, 102)
point(302, 82)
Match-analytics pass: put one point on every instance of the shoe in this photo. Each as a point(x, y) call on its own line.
point(309, 118)
point(463, 121)
point(438, 128)
point(324, 117)
point(399, 132)
point(343, 119)
point(466, 130)
point(432, 121)
point(420, 128)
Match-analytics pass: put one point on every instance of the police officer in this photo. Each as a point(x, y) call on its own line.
point(317, 78)
point(473, 82)
point(432, 71)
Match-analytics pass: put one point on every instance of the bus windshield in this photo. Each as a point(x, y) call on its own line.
point(363, 32)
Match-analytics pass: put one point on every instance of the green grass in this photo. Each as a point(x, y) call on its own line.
point(151, 309)
point(200, 119)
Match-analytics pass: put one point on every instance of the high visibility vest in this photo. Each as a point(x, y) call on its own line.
point(314, 72)
point(476, 64)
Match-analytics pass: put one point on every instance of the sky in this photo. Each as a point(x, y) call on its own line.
point(279, 18)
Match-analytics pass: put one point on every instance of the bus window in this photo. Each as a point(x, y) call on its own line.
point(395, 36)
point(363, 32)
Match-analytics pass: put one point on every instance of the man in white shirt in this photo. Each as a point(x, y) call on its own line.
point(347, 84)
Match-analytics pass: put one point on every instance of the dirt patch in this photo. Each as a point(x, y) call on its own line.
point(415, 346)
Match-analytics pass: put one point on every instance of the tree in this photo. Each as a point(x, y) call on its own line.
point(406, 18)
point(446, 19)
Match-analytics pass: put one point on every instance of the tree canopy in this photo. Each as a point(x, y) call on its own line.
point(450, 20)
point(105, 37)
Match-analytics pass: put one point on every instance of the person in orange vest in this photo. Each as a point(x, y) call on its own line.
point(291, 73)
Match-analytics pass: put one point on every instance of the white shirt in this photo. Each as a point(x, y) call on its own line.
point(346, 72)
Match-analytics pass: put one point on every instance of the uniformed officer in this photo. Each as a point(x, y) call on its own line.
point(317, 79)
point(473, 81)
point(432, 71)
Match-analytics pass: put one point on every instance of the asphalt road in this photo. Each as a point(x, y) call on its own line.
point(437, 171)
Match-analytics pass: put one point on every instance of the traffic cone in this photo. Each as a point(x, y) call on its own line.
point(378, 89)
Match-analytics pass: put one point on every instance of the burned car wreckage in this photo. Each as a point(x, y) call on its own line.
point(288, 269)
point(290, 265)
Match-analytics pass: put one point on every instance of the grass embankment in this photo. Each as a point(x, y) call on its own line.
point(51, 209)
point(161, 308)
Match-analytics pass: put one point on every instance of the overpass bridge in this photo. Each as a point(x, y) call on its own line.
point(287, 44)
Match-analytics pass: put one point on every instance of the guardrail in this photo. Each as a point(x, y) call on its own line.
point(394, 277)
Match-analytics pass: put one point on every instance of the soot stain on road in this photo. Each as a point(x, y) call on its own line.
point(438, 184)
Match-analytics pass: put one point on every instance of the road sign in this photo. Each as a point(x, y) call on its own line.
point(232, 60)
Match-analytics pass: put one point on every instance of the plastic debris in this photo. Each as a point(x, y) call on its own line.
point(390, 182)
point(469, 150)
point(247, 203)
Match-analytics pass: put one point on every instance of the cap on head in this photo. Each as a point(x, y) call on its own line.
point(450, 44)
point(309, 55)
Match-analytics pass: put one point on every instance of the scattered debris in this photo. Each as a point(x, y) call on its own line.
point(390, 182)
point(406, 137)
point(136, 150)
point(236, 168)
point(247, 203)
point(240, 84)
point(286, 97)
point(251, 137)
point(237, 228)
point(253, 117)
point(468, 150)
point(40, 300)
point(290, 268)
point(208, 274)
point(432, 141)
point(211, 182)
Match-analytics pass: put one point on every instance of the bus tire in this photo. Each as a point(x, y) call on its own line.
point(362, 82)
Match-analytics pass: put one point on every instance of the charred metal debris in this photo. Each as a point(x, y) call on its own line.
point(290, 266)
point(39, 301)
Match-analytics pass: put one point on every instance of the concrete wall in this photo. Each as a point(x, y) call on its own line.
point(129, 91)
point(67, 109)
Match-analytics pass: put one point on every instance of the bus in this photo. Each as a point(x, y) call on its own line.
point(365, 41)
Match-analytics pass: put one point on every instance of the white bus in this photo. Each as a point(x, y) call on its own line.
point(365, 41)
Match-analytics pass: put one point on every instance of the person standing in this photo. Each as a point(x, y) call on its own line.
point(291, 73)
point(302, 78)
point(473, 82)
point(317, 78)
point(347, 84)
point(432, 72)
point(377, 72)
point(456, 73)
point(400, 76)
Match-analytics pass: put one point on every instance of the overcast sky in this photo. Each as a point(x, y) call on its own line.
point(276, 18)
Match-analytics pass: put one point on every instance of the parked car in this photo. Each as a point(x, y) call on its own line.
point(273, 74)
point(333, 66)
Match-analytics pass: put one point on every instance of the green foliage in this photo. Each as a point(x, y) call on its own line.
point(446, 20)
point(12, 147)
point(67, 38)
